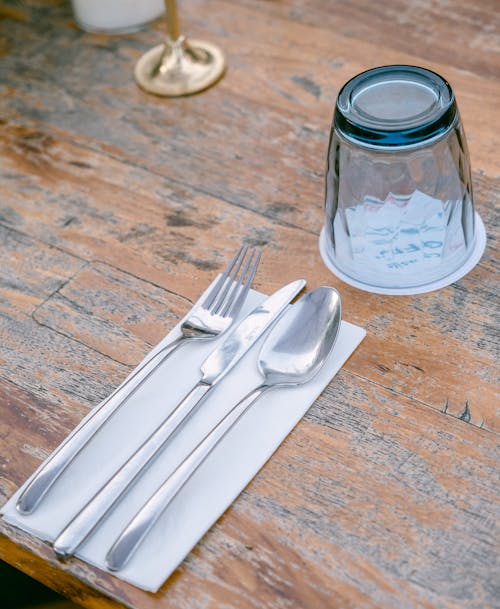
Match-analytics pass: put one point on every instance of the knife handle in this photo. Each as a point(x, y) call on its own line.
point(137, 529)
point(89, 517)
point(55, 465)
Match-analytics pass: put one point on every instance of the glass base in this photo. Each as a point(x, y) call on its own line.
point(470, 262)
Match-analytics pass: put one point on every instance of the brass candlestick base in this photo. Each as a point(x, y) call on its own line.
point(179, 68)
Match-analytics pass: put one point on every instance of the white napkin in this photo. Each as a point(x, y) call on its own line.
point(216, 484)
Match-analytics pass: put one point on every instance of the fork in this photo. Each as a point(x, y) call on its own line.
point(205, 321)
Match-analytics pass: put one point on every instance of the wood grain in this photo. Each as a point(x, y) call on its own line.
point(104, 226)
point(363, 505)
point(112, 312)
point(117, 209)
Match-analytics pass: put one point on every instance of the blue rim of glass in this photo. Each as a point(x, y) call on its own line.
point(437, 124)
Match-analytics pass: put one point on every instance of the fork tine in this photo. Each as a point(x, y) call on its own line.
point(234, 304)
point(215, 308)
point(229, 296)
point(212, 295)
point(236, 286)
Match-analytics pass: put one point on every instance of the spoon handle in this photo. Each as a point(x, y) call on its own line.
point(137, 529)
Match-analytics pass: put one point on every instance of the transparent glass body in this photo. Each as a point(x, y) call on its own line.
point(398, 213)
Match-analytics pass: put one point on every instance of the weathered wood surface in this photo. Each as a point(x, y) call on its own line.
point(117, 208)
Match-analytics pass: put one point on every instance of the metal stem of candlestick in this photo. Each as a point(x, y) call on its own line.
point(179, 66)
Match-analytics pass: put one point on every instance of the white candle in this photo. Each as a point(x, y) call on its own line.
point(115, 16)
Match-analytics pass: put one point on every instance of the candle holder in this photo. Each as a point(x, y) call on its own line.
point(179, 66)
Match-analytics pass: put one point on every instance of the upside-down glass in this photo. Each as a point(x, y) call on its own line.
point(398, 204)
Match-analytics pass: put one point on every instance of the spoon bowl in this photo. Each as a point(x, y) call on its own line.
point(301, 340)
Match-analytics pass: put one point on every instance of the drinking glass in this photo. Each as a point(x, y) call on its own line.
point(399, 210)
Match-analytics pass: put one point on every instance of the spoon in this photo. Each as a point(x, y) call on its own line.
point(293, 352)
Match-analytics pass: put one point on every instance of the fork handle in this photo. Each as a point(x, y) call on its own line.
point(89, 517)
point(133, 534)
point(55, 465)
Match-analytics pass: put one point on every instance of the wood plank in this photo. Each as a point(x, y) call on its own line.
point(31, 270)
point(117, 208)
point(406, 350)
point(421, 29)
point(276, 162)
point(113, 312)
point(180, 237)
point(356, 508)
point(32, 558)
point(53, 367)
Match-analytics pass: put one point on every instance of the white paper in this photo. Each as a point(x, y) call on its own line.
point(216, 484)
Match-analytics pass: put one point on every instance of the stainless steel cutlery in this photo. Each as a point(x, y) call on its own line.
point(299, 341)
point(215, 367)
point(213, 317)
point(293, 352)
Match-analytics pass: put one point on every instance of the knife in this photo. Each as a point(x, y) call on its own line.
point(215, 367)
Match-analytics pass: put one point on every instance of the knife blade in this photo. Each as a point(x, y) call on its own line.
point(213, 369)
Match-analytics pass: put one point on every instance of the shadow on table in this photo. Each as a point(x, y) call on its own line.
point(18, 591)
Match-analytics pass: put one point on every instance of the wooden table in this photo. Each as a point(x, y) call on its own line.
point(117, 208)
